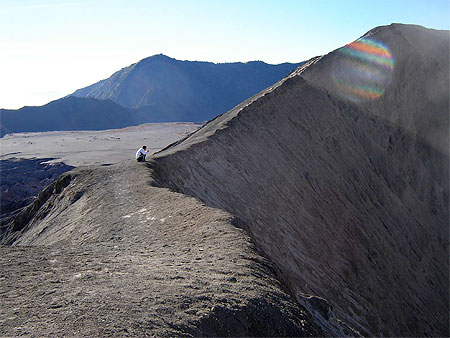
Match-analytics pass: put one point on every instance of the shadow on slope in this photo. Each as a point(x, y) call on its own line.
point(350, 204)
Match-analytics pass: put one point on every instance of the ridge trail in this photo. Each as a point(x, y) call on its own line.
point(112, 255)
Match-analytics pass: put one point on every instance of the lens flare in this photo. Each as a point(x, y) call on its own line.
point(364, 70)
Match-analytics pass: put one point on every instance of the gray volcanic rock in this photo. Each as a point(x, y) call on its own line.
point(340, 174)
point(101, 252)
point(173, 90)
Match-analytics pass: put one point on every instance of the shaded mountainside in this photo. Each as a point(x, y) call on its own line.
point(173, 90)
point(101, 252)
point(156, 89)
point(340, 174)
point(69, 113)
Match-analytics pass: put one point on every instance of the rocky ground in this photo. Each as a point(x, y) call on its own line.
point(105, 253)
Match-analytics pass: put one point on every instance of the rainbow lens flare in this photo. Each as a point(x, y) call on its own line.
point(364, 70)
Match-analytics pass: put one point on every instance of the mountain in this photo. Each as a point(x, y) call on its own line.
point(173, 90)
point(69, 113)
point(156, 89)
point(319, 206)
point(340, 173)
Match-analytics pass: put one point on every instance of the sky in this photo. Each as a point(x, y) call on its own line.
point(50, 48)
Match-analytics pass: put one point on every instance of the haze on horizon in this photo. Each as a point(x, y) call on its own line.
point(50, 48)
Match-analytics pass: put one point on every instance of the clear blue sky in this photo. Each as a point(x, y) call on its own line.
point(49, 48)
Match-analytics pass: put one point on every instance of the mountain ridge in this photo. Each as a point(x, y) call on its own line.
point(329, 176)
point(86, 91)
point(68, 113)
point(332, 179)
point(133, 267)
point(186, 88)
point(155, 89)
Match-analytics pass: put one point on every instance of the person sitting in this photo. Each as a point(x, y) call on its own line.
point(141, 153)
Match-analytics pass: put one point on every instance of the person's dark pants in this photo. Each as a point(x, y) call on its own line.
point(141, 158)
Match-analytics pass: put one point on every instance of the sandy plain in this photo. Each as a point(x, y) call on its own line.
point(77, 148)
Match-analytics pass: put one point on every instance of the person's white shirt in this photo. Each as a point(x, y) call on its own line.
point(141, 151)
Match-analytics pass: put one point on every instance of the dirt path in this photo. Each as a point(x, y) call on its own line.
point(113, 255)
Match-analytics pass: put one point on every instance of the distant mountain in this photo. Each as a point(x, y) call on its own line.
point(172, 90)
point(156, 89)
point(69, 113)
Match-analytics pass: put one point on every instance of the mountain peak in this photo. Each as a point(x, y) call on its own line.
point(157, 57)
point(174, 90)
point(403, 29)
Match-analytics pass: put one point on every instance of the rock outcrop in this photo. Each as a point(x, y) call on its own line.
point(340, 174)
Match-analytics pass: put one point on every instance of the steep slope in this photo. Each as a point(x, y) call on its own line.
point(69, 113)
point(340, 174)
point(174, 90)
point(103, 253)
point(22, 179)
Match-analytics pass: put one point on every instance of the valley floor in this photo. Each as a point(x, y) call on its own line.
point(77, 148)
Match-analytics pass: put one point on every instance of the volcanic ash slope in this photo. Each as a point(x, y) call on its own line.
point(101, 252)
point(340, 174)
